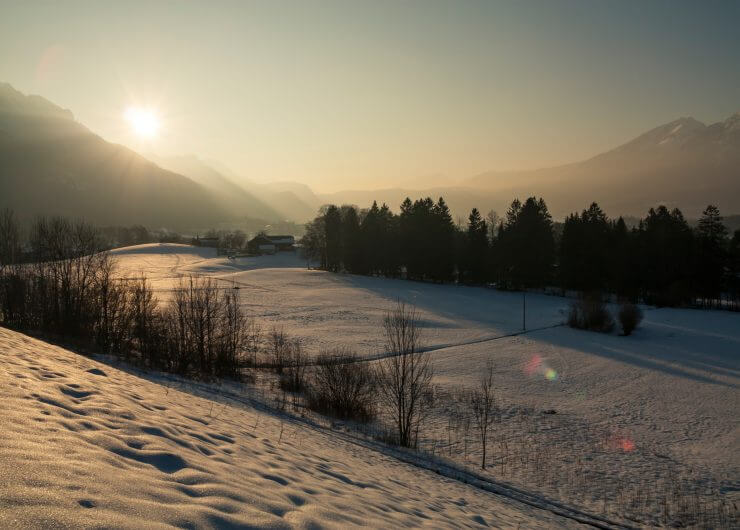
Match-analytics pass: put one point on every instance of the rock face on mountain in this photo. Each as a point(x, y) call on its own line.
point(52, 165)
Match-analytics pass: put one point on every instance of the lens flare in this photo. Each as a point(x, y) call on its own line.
point(618, 440)
point(537, 365)
point(533, 365)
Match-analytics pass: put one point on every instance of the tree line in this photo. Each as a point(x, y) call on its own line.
point(70, 289)
point(662, 260)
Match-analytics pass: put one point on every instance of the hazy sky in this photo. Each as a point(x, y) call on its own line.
point(362, 94)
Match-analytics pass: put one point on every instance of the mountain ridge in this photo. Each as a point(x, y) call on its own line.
point(683, 163)
point(51, 164)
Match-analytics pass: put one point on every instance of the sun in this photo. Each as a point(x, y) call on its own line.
point(144, 122)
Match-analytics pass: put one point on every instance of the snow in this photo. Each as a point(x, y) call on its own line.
point(86, 444)
point(673, 383)
point(633, 414)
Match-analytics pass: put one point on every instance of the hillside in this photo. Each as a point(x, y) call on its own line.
point(274, 201)
point(51, 164)
point(88, 445)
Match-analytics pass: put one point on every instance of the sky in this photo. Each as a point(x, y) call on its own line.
point(362, 95)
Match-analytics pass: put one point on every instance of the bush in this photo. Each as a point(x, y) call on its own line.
point(278, 346)
point(293, 376)
point(590, 312)
point(630, 317)
point(342, 387)
point(207, 332)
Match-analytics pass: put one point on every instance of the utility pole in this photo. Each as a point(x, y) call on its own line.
point(524, 310)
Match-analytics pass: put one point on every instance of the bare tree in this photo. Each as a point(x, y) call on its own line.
point(405, 375)
point(279, 347)
point(146, 322)
point(253, 339)
point(483, 405)
point(112, 309)
point(293, 378)
point(196, 313)
point(10, 239)
point(68, 258)
point(234, 334)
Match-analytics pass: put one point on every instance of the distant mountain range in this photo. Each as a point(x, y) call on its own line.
point(273, 201)
point(684, 163)
point(51, 164)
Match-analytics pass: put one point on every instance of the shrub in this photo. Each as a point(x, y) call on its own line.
point(630, 317)
point(278, 346)
point(207, 332)
point(590, 312)
point(342, 387)
point(293, 377)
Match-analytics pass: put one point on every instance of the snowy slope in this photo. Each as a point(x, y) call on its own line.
point(85, 444)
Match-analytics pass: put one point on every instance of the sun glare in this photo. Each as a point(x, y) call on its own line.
point(144, 122)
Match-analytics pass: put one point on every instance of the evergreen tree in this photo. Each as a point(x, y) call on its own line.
point(373, 240)
point(441, 244)
point(528, 246)
point(407, 243)
point(621, 258)
point(332, 235)
point(583, 250)
point(389, 242)
point(733, 280)
point(352, 257)
point(712, 254)
point(476, 252)
point(665, 249)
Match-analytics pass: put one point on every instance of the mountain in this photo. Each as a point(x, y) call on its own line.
point(684, 163)
point(237, 200)
point(287, 200)
point(51, 164)
point(293, 197)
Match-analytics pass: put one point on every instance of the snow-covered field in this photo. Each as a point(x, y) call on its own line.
point(632, 414)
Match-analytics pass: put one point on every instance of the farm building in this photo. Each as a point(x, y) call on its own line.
point(265, 244)
point(206, 242)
